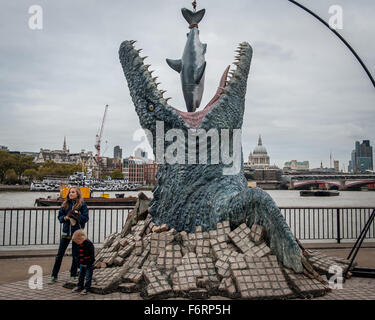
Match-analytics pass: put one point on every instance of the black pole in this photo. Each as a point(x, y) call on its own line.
point(363, 235)
point(340, 37)
point(360, 236)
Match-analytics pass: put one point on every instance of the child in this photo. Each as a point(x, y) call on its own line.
point(86, 260)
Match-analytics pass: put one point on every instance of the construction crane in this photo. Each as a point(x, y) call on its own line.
point(99, 138)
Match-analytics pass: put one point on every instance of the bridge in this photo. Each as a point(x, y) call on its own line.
point(339, 182)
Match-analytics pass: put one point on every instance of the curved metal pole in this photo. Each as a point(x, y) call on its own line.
point(338, 35)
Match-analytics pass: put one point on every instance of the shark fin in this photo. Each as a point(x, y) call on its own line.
point(204, 48)
point(199, 73)
point(193, 17)
point(175, 64)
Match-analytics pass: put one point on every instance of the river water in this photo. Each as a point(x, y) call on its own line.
point(283, 198)
point(40, 228)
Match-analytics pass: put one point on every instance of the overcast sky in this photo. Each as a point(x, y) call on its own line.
point(307, 94)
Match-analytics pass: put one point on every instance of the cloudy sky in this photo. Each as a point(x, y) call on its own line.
point(307, 94)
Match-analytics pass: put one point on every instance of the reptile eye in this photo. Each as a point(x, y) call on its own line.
point(151, 107)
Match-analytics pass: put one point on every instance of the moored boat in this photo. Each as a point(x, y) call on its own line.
point(319, 193)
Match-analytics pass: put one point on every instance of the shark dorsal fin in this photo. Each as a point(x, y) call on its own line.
point(175, 64)
point(199, 73)
point(204, 48)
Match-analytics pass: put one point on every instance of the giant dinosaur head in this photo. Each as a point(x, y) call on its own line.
point(224, 111)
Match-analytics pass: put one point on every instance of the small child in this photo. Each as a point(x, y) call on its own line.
point(86, 260)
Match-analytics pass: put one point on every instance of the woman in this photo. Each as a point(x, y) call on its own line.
point(73, 214)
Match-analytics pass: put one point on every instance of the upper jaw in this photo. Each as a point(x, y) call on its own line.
point(233, 82)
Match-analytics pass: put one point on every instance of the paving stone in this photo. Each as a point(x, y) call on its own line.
point(127, 250)
point(304, 286)
point(127, 287)
point(203, 248)
point(183, 282)
point(108, 241)
point(222, 229)
point(159, 241)
point(322, 263)
point(261, 279)
point(139, 228)
point(118, 261)
point(156, 282)
point(209, 277)
point(136, 261)
point(228, 287)
point(133, 275)
point(138, 248)
point(257, 233)
point(170, 257)
point(222, 264)
point(219, 245)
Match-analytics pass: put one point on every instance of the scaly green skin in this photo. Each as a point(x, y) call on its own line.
point(186, 195)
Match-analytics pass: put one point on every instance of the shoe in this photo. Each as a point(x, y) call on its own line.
point(84, 292)
point(73, 278)
point(52, 280)
point(76, 289)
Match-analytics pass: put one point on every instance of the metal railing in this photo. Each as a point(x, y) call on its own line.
point(39, 225)
point(328, 223)
point(31, 226)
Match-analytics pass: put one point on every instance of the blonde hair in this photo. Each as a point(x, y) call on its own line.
point(79, 234)
point(78, 201)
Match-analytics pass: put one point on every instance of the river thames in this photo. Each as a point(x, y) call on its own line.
point(283, 198)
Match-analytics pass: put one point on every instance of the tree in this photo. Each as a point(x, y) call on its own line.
point(21, 163)
point(30, 174)
point(11, 176)
point(6, 163)
point(117, 174)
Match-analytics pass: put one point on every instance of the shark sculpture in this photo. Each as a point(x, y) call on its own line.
point(192, 65)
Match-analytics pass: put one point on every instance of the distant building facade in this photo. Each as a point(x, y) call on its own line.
point(336, 165)
point(295, 165)
point(361, 157)
point(259, 159)
point(117, 152)
point(86, 159)
point(137, 170)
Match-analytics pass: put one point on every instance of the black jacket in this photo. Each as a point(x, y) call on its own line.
point(86, 253)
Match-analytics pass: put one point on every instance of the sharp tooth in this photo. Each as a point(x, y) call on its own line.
point(132, 41)
point(139, 51)
point(147, 66)
point(144, 58)
point(162, 91)
point(238, 56)
point(154, 79)
point(151, 72)
point(156, 84)
point(166, 100)
point(236, 64)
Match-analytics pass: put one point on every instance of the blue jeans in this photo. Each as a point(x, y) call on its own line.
point(85, 271)
point(60, 254)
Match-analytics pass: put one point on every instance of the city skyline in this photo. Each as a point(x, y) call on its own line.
point(307, 95)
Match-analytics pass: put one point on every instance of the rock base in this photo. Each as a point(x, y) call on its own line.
point(161, 263)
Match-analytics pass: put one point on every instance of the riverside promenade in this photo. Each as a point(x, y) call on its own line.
point(14, 283)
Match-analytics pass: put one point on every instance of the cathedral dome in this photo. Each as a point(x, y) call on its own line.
point(260, 148)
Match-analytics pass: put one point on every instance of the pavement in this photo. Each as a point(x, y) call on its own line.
point(14, 276)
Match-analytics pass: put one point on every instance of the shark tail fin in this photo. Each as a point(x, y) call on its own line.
point(193, 17)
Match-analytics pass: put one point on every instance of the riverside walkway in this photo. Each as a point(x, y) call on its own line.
point(354, 288)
